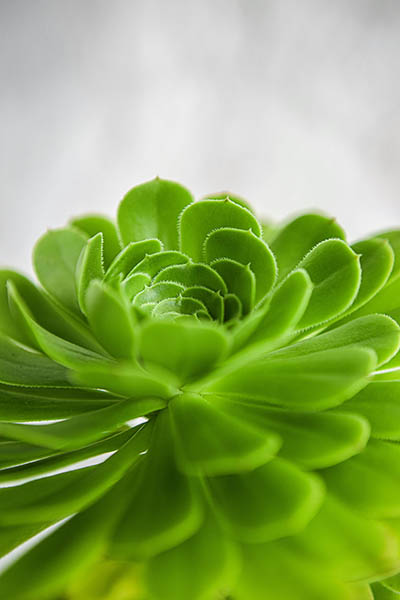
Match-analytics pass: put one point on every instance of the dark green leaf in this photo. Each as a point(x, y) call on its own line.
point(240, 281)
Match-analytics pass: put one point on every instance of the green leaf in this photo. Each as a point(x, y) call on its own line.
point(312, 382)
point(58, 496)
point(335, 272)
point(213, 301)
point(196, 569)
point(133, 254)
point(12, 537)
point(20, 365)
point(26, 579)
point(377, 332)
point(134, 284)
point(193, 348)
point(211, 441)
point(379, 403)
point(191, 274)
point(164, 510)
point(381, 592)
point(299, 236)
point(370, 481)
point(312, 440)
point(90, 266)
point(41, 404)
point(155, 263)
point(200, 219)
point(151, 210)
point(352, 547)
point(229, 196)
point(55, 258)
point(247, 249)
point(61, 351)
point(158, 292)
point(110, 320)
point(393, 237)
point(127, 380)
point(240, 281)
point(94, 224)
point(272, 501)
point(81, 429)
point(280, 317)
point(44, 461)
point(48, 314)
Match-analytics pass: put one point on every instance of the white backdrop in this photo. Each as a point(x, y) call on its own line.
point(293, 104)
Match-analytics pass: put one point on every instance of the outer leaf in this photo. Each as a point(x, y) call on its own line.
point(55, 258)
point(82, 429)
point(299, 236)
point(247, 249)
point(270, 502)
point(56, 497)
point(335, 272)
point(199, 219)
point(94, 224)
point(312, 440)
point(151, 210)
point(370, 481)
point(314, 382)
point(377, 332)
point(196, 569)
point(379, 403)
point(90, 266)
point(110, 320)
point(193, 348)
point(163, 511)
point(211, 441)
point(20, 365)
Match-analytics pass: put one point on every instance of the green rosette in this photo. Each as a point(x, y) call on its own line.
point(205, 407)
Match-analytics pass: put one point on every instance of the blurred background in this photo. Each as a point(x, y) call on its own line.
point(294, 105)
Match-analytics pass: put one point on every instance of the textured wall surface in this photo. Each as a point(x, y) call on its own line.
point(292, 104)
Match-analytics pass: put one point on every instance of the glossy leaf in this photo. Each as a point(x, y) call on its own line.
point(55, 258)
point(90, 266)
point(211, 441)
point(267, 503)
point(94, 224)
point(247, 249)
point(163, 510)
point(151, 210)
point(198, 220)
point(299, 236)
point(314, 382)
point(110, 320)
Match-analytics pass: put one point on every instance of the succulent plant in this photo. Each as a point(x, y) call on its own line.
point(235, 388)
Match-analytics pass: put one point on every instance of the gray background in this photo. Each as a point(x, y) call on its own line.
point(291, 103)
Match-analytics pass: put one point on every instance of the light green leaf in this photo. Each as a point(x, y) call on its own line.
point(55, 258)
point(200, 219)
point(90, 266)
point(12, 537)
point(240, 281)
point(41, 404)
point(213, 301)
point(57, 496)
point(381, 592)
point(272, 501)
point(370, 481)
point(191, 274)
point(93, 224)
point(151, 210)
point(377, 332)
point(197, 569)
point(110, 319)
point(155, 263)
point(193, 348)
point(393, 237)
point(247, 249)
point(82, 429)
point(157, 292)
point(312, 382)
point(163, 511)
point(129, 258)
point(134, 284)
point(312, 440)
point(211, 441)
point(379, 403)
point(335, 272)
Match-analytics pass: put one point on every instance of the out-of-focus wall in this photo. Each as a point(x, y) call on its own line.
point(294, 104)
